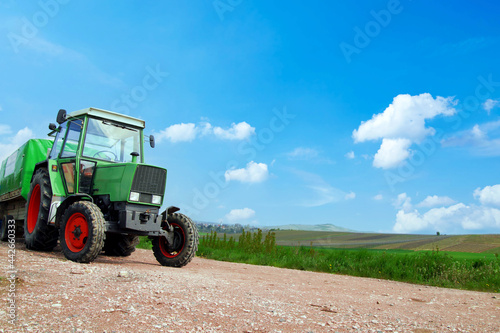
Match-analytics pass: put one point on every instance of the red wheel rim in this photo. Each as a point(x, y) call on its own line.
point(76, 232)
point(179, 241)
point(33, 208)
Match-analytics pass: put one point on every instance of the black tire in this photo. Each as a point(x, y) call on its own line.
point(82, 232)
point(37, 233)
point(184, 246)
point(119, 245)
point(4, 235)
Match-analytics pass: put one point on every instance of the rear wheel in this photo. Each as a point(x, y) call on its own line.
point(82, 232)
point(184, 246)
point(4, 233)
point(37, 233)
point(119, 245)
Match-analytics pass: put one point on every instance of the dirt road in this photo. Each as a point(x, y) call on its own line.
point(136, 294)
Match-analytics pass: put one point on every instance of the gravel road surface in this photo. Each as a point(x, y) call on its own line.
point(136, 294)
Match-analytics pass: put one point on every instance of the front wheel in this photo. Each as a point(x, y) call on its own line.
point(184, 246)
point(82, 232)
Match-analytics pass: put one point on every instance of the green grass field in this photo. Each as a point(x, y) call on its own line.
point(464, 261)
point(452, 243)
point(452, 254)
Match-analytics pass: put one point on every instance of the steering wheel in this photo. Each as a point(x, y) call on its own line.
point(115, 158)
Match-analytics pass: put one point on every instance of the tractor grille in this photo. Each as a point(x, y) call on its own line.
point(149, 180)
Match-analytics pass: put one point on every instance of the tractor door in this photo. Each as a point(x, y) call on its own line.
point(68, 157)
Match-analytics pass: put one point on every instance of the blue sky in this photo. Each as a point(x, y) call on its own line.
point(370, 115)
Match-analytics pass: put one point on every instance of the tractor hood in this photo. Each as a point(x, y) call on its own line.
point(131, 182)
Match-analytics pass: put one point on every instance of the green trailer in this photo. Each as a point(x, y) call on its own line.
point(90, 190)
point(16, 172)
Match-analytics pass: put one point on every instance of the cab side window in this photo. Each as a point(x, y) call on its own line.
point(56, 148)
point(72, 139)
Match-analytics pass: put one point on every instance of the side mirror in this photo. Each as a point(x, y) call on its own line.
point(61, 116)
point(52, 126)
point(152, 141)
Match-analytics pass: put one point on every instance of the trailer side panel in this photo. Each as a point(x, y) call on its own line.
point(17, 169)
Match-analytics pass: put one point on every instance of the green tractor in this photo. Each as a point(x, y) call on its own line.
point(89, 189)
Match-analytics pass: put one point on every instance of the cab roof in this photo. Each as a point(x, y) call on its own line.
point(105, 114)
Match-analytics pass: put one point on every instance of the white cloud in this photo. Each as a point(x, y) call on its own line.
point(317, 191)
point(405, 118)
point(378, 197)
point(350, 155)
point(433, 201)
point(205, 128)
point(240, 214)
point(302, 153)
point(252, 173)
point(45, 49)
point(401, 124)
point(392, 153)
point(490, 195)
point(238, 131)
point(489, 104)
point(4, 129)
point(323, 194)
point(308, 154)
point(484, 140)
point(350, 196)
point(190, 131)
point(43, 46)
point(179, 133)
point(403, 202)
point(456, 218)
point(15, 142)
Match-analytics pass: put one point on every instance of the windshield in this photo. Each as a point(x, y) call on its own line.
point(110, 141)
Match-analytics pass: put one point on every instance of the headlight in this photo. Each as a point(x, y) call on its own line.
point(134, 196)
point(156, 199)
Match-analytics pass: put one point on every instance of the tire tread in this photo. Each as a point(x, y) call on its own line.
point(120, 245)
point(190, 246)
point(44, 236)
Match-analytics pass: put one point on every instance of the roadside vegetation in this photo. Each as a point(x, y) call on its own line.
point(435, 268)
point(471, 271)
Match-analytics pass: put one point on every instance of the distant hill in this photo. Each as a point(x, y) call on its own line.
point(204, 226)
point(315, 227)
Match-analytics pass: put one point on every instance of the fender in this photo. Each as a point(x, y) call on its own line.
point(166, 230)
point(40, 165)
point(168, 211)
point(68, 202)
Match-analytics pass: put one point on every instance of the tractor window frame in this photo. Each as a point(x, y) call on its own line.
point(74, 126)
